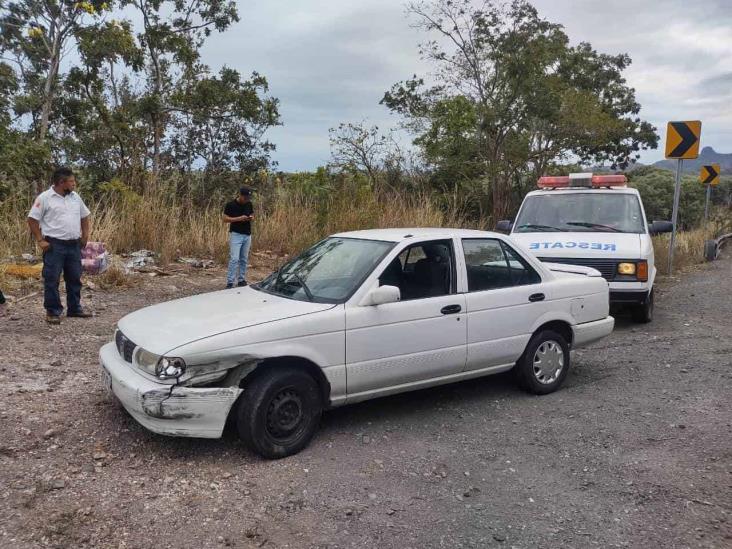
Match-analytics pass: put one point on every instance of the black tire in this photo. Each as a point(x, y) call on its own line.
point(643, 314)
point(279, 411)
point(526, 375)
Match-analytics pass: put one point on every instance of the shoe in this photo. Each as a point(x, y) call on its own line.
point(53, 319)
point(229, 286)
point(80, 314)
point(242, 283)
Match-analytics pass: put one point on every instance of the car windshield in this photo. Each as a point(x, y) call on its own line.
point(329, 272)
point(580, 212)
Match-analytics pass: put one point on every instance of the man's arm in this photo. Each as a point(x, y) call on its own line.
point(35, 228)
point(85, 230)
point(228, 219)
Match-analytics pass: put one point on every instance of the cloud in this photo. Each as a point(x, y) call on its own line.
point(330, 61)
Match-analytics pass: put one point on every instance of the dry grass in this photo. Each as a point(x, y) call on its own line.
point(688, 247)
point(286, 222)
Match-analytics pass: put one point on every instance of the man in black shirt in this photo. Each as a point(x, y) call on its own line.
point(239, 214)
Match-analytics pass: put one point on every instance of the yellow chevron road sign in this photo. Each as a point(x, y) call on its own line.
point(709, 175)
point(682, 139)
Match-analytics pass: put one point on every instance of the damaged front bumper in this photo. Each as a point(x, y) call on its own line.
point(167, 409)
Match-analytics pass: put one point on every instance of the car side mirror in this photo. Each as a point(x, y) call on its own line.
point(658, 227)
point(504, 226)
point(382, 295)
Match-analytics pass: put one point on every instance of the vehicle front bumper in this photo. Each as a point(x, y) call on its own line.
point(589, 332)
point(628, 297)
point(167, 409)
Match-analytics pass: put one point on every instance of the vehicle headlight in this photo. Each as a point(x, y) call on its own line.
point(170, 367)
point(626, 268)
point(147, 361)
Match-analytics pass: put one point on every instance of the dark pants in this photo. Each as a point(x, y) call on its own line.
point(63, 256)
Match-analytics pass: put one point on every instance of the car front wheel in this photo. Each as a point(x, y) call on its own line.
point(545, 363)
point(279, 411)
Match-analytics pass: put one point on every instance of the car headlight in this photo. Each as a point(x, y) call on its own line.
point(169, 367)
point(626, 268)
point(147, 361)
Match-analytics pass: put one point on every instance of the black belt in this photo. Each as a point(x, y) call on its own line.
point(59, 241)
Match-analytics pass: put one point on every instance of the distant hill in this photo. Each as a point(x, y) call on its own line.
point(707, 156)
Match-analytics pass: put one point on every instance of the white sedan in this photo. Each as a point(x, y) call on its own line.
point(357, 316)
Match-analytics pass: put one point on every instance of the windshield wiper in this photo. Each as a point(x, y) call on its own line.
point(594, 226)
point(278, 281)
point(539, 227)
point(303, 286)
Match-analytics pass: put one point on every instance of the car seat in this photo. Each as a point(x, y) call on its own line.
point(432, 273)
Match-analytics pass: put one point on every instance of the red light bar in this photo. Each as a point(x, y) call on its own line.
point(564, 181)
point(553, 181)
point(609, 180)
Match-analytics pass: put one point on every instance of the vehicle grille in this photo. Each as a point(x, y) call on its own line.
point(125, 347)
point(607, 267)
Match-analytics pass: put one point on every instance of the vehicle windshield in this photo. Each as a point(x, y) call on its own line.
point(329, 272)
point(580, 212)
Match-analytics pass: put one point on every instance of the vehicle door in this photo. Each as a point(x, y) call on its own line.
point(505, 299)
point(422, 336)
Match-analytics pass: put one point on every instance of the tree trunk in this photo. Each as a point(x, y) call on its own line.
point(49, 89)
point(501, 198)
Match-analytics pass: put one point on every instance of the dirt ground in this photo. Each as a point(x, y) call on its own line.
point(634, 451)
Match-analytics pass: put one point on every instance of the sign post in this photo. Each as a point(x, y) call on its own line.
point(708, 176)
point(682, 143)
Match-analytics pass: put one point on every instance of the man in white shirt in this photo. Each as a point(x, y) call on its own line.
point(59, 221)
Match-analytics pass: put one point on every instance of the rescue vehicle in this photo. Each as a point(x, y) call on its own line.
point(594, 221)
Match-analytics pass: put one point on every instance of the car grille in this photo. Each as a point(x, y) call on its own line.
point(607, 267)
point(125, 347)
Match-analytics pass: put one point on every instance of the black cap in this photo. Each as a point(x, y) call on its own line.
point(245, 191)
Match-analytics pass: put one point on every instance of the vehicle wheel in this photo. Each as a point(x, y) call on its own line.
point(644, 313)
point(544, 364)
point(279, 412)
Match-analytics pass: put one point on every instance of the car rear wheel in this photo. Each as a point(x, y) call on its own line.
point(545, 363)
point(644, 313)
point(279, 411)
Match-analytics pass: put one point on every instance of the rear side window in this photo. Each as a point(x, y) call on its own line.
point(491, 264)
point(423, 270)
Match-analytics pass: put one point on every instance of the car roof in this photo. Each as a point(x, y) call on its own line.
point(398, 235)
point(575, 190)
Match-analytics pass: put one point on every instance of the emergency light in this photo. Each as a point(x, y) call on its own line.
point(586, 180)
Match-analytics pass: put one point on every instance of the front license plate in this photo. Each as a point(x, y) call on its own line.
point(106, 380)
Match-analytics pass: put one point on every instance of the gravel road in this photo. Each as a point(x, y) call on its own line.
point(634, 451)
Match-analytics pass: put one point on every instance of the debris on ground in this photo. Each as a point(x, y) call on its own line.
point(139, 259)
point(198, 263)
point(23, 271)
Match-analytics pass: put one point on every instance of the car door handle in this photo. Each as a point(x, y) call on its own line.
point(536, 297)
point(451, 309)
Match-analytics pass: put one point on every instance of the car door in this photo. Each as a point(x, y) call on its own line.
point(421, 337)
point(505, 299)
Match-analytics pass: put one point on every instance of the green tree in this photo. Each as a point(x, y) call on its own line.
point(656, 187)
point(172, 33)
point(516, 96)
point(36, 34)
point(219, 122)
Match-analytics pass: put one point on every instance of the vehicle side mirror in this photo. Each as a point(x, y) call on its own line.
point(658, 227)
point(504, 226)
point(382, 295)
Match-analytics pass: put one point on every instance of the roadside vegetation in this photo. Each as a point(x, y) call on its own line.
point(160, 140)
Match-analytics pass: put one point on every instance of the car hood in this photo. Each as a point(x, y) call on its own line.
point(581, 244)
point(564, 269)
point(163, 327)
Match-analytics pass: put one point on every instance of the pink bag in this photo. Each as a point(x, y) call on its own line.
point(94, 258)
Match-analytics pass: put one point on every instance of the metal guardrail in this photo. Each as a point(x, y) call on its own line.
point(712, 247)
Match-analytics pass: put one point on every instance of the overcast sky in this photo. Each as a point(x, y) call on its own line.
point(330, 61)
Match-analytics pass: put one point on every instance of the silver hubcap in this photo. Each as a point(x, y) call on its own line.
point(548, 362)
